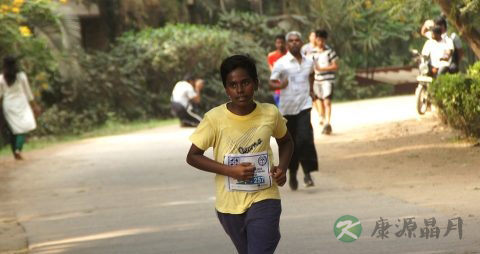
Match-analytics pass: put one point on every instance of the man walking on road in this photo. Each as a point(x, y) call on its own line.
point(293, 73)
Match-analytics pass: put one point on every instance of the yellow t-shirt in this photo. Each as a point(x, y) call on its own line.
point(228, 133)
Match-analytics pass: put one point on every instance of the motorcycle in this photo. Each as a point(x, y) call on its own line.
point(424, 79)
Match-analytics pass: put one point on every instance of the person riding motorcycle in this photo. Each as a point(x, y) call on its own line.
point(435, 60)
point(439, 50)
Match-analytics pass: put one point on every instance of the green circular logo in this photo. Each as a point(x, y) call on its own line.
point(347, 228)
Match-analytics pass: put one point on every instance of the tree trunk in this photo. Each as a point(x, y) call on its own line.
point(466, 30)
point(222, 6)
point(256, 5)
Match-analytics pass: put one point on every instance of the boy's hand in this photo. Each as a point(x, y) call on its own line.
point(279, 175)
point(242, 171)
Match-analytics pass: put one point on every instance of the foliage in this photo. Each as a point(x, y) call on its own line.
point(464, 15)
point(16, 37)
point(255, 26)
point(457, 97)
point(364, 33)
point(37, 34)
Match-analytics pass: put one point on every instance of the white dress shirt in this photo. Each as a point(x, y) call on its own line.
point(438, 50)
point(296, 96)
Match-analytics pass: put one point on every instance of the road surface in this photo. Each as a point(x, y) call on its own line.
point(134, 193)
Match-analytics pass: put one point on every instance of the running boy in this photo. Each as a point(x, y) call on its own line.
point(247, 196)
point(326, 66)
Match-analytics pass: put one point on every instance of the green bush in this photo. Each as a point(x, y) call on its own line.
point(134, 80)
point(474, 70)
point(458, 96)
point(255, 26)
point(61, 121)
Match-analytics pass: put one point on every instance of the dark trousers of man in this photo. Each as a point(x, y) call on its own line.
point(304, 152)
point(443, 70)
point(257, 230)
point(186, 117)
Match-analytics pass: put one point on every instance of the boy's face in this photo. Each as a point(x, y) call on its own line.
point(280, 44)
point(240, 87)
point(320, 42)
point(312, 37)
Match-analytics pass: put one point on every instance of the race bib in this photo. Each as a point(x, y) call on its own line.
point(261, 178)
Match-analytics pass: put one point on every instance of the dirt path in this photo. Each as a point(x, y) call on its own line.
point(420, 161)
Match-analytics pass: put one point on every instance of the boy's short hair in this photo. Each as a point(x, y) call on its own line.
point(441, 21)
point(238, 61)
point(293, 33)
point(321, 33)
point(280, 37)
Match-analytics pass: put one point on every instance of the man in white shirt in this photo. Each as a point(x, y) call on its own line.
point(458, 52)
point(184, 93)
point(440, 50)
point(293, 74)
point(307, 48)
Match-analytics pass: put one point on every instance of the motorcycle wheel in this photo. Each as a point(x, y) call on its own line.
point(421, 97)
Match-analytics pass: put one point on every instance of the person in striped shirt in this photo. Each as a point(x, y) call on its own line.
point(325, 65)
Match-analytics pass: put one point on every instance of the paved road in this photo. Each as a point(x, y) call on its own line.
point(135, 194)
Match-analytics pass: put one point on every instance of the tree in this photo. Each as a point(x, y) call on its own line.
point(364, 33)
point(37, 33)
point(41, 37)
point(465, 16)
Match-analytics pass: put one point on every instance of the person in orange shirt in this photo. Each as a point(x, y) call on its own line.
point(280, 50)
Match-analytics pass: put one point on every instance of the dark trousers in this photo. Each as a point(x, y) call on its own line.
point(304, 152)
point(443, 70)
point(16, 141)
point(452, 68)
point(257, 230)
point(187, 117)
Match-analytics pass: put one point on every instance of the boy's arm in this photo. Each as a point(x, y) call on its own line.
point(195, 158)
point(285, 151)
point(276, 82)
point(332, 67)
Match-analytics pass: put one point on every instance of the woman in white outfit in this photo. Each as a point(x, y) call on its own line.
point(17, 104)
